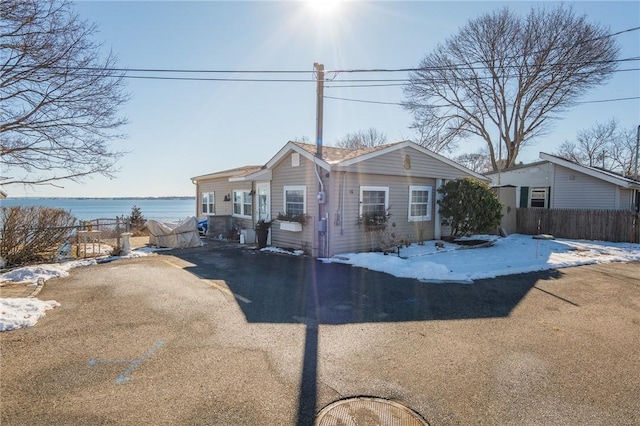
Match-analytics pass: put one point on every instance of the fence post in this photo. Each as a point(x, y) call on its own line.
point(118, 232)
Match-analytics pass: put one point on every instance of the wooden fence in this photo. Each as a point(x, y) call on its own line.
point(602, 225)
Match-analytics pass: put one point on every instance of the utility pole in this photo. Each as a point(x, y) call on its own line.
point(319, 69)
point(322, 224)
point(635, 173)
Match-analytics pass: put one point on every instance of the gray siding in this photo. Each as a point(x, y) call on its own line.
point(220, 188)
point(223, 209)
point(347, 235)
point(626, 199)
point(285, 175)
point(535, 176)
point(395, 162)
point(574, 190)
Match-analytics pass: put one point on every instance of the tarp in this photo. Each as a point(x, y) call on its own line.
point(174, 234)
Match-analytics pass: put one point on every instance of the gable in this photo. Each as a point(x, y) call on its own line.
point(406, 161)
point(536, 174)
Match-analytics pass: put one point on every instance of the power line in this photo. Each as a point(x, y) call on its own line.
point(450, 106)
point(382, 82)
point(336, 72)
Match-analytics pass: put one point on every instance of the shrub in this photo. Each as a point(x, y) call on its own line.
point(469, 206)
point(137, 222)
point(33, 234)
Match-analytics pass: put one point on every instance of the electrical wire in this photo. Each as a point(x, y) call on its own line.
point(449, 106)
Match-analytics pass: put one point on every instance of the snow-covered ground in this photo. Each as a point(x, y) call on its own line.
point(431, 262)
point(24, 312)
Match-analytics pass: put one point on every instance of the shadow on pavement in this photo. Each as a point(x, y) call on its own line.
point(273, 288)
point(279, 287)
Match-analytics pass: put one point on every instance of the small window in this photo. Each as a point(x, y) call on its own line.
point(374, 200)
point(295, 200)
point(295, 159)
point(419, 203)
point(208, 203)
point(538, 197)
point(242, 203)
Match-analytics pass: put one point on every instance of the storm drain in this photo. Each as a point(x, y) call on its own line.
point(368, 411)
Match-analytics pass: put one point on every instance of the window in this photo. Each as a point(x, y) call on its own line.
point(295, 200)
point(208, 203)
point(242, 203)
point(538, 197)
point(419, 203)
point(374, 200)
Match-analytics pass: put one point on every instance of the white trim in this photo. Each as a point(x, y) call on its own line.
point(290, 146)
point(426, 217)
point(242, 214)
point(374, 188)
point(409, 144)
point(259, 175)
point(211, 204)
point(544, 189)
point(290, 226)
point(590, 171)
point(266, 186)
point(225, 173)
point(294, 188)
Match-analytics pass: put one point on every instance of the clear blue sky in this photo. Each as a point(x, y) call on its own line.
point(180, 129)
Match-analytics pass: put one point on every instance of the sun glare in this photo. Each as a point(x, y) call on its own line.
point(324, 7)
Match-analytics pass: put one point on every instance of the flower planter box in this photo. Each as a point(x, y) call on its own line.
point(376, 227)
point(290, 226)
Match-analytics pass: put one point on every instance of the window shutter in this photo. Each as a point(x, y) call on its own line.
point(524, 197)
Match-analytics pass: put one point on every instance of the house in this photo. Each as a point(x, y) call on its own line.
point(562, 184)
point(339, 192)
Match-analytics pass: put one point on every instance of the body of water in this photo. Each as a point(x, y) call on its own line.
point(164, 209)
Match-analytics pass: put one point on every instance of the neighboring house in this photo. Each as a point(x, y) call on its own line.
point(333, 188)
point(562, 184)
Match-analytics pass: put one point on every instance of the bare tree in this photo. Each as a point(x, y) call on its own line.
point(623, 152)
point(59, 98)
point(591, 146)
point(504, 78)
point(604, 145)
point(479, 162)
point(362, 139)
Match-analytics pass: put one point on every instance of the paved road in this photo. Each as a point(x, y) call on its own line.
point(227, 336)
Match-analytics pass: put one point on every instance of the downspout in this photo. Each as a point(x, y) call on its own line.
point(437, 232)
point(344, 190)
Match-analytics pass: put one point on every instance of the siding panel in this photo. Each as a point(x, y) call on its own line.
point(285, 175)
point(573, 190)
point(349, 236)
point(395, 162)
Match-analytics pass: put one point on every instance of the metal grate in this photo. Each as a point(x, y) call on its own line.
point(368, 411)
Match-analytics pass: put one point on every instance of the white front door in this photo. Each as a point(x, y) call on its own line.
point(263, 190)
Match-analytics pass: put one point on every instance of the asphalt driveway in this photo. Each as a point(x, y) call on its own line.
point(225, 335)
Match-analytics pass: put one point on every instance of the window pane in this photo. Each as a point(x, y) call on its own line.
point(419, 204)
point(537, 203)
point(373, 197)
point(237, 203)
point(294, 202)
point(373, 202)
point(419, 196)
point(248, 203)
point(418, 210)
